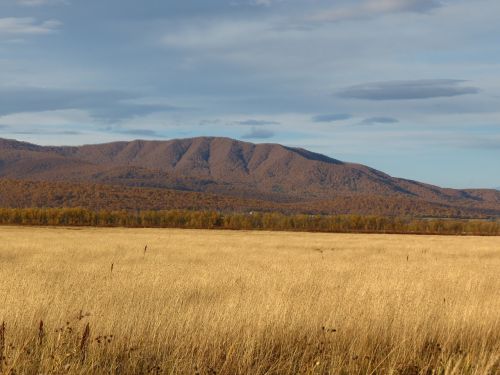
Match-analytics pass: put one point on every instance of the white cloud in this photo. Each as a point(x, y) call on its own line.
point(373, 8)
point(40, 2)
point(27, 26)
point(214, 36)
point(256, 133)
point(401, 5)
point(45, 119)
point(262, 2)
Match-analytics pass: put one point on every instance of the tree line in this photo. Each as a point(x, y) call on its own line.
point(244, 221)
point(97, 197)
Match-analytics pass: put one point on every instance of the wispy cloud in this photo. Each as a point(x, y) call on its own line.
point(141, 132)
point(45, 132)
point(263, 2)
point(331, 117)
point(257, 133)
point(27, 26)
point(40, 2)
point(106, 105)
point(373, 8)
point(256, 122)
point(379, 120)
point(215, 36)
point(46, 119)
point(404, 90)
point(477, 142)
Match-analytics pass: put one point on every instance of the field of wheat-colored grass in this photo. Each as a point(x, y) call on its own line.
point(98, 301)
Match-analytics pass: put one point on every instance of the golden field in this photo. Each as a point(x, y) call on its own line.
point(93, 301)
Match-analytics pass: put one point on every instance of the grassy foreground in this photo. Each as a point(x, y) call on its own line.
point(97, 301)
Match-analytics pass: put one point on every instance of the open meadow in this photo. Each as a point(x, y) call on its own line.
point(160, 301)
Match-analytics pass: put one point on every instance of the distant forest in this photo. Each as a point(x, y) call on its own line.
point(244, 221)
point(99, 197)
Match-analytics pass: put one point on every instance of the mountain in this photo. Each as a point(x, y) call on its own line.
point(223, 167)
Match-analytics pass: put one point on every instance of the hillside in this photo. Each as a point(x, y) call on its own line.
point(22, 193)
point(240, 174)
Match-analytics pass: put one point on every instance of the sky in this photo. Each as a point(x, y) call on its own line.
point(409, 87)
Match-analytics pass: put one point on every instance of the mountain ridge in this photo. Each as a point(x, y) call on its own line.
point(226, 167)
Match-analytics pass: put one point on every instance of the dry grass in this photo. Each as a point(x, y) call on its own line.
point(209, 302)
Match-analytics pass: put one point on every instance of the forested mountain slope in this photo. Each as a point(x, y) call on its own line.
point(238, 170)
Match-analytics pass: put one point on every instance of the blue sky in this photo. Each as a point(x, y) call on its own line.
point(410, 87)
